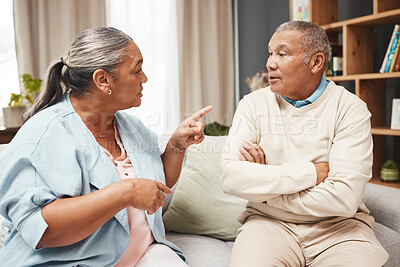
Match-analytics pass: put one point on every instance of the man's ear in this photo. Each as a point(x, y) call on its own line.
point(317, 62)
point(101, 80)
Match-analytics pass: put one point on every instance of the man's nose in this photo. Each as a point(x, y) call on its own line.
point(271, 63)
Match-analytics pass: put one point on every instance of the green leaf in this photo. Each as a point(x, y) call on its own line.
point(31, 86)
point(390, 164)
point(216, 129)
point(15, 100)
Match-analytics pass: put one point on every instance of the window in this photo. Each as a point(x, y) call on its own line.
point(8, 61)
point(152, 25)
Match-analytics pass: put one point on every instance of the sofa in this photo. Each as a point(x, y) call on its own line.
point(201, 219)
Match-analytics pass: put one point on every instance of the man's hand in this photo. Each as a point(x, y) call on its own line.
point(252, 153)
point(322, 171)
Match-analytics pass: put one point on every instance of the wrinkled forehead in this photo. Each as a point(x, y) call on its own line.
point(286, 39)
point(133, 54)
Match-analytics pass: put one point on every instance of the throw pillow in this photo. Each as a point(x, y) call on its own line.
point(199, 206)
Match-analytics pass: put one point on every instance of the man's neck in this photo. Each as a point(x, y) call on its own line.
point(309, 90)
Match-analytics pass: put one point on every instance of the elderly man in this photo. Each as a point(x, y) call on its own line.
point(300, 151)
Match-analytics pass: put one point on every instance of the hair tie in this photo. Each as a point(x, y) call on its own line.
point(66, 59)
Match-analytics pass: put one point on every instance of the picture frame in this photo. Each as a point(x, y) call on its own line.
point(299, 10)
point(395, 124)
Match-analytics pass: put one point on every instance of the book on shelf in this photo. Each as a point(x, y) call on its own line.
point(334, 65)
point(396, 54)
point(385, 59)
point(397, 63)
point(392, 51)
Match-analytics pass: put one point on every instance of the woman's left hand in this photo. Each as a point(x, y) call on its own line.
point(190, 131)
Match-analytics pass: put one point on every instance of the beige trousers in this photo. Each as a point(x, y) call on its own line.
point(262, 242)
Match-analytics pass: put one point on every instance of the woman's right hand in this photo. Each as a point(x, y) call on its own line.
point(146, 194)
point(72, 219)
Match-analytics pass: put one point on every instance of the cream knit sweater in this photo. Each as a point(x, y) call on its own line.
point(335, 129)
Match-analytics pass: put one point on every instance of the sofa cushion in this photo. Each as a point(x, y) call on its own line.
point(384, 204)
point(199, 206)
point(202, 251)
point(390, 240)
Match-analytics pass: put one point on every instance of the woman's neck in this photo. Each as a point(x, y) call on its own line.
point(93, 113)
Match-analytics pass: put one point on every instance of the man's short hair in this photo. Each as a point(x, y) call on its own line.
point(314, 39)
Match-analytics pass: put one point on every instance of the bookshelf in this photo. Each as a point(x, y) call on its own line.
point(357, 34)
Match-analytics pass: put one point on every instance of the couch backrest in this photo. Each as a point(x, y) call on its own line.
point(162, 141)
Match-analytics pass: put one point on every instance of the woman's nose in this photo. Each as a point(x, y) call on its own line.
point(144, 77)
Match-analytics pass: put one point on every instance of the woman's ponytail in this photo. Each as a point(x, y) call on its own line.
point(51, 90)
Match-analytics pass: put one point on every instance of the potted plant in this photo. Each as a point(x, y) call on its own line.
point(216, 129)
point(18, 102)
point(390, 171)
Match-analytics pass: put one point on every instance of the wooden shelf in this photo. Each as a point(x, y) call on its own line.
point(378, 180)
point(382, 18)
point(6, 134)
point(357, 47)
point(365, 76)
point(385, 131)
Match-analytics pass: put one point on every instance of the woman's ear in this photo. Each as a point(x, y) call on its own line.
point(101, 80)
point(317, 62)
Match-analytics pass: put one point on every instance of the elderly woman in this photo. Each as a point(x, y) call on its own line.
point(82, 183)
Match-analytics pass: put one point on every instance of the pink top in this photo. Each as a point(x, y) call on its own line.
point(141, 236)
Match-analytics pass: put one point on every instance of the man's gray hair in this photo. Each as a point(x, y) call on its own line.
point(313, 41)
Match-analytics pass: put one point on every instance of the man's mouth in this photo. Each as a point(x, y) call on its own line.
point(274, 78)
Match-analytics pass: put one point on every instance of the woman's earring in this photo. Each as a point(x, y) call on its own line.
point(109, 92)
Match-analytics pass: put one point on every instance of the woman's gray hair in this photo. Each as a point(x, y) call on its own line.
point(313, 41)
point(92, 49)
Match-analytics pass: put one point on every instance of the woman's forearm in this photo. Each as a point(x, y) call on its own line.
point(70, 220)
point(172, 160)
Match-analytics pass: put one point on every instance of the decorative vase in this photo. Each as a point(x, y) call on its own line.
point(389, 175)
point(13, 116)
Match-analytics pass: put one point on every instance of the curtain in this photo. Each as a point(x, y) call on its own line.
point(152, 25)
point(206, 57)
point(44, 29)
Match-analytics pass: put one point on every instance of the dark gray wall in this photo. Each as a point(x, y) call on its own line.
point(258, 20)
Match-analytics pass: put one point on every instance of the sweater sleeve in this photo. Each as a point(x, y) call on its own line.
point(350, 162)
point(256, 182)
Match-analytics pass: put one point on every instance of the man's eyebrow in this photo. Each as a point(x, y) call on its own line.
point(280, 46)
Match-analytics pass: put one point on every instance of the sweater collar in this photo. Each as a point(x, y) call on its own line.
point(312, 98)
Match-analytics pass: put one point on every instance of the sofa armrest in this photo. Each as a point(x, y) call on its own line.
point(384, 205)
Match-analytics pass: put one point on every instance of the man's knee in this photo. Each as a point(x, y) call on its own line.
point(260, 242)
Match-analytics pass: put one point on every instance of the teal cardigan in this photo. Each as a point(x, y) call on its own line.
point(55, 156)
